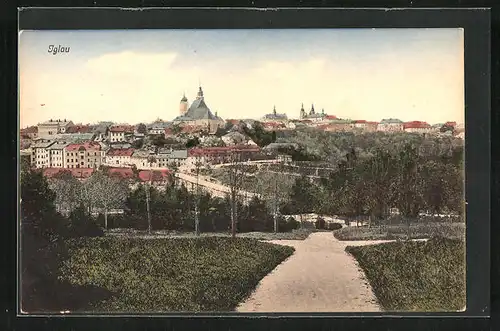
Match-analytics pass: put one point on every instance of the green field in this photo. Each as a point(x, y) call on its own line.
point(415, 276)
point(178, 274)
point(402, 231)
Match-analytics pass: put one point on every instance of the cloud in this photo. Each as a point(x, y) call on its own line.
point(132, 64)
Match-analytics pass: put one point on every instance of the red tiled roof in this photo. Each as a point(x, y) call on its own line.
point(122, 128)
point(75, 172)
point(416, 125)
point(121, 152)
point(31, 129)
point(79, 129)
point(86, 146)
point(453, 124)
point(155, 175)
point(330, 117)
point(121, 172)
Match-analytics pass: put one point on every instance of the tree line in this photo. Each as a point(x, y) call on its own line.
point(409, 178)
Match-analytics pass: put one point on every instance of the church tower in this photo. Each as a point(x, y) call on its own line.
point(302, 112)
point(312, 110)
point(183, 107)
point(274, 110)
point(200, 94)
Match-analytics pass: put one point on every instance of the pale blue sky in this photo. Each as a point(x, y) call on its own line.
point(139, 75)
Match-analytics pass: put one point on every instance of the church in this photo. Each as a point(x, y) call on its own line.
point(198, 114)
point(312, 115)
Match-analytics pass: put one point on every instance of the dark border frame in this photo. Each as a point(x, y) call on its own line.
point(476, 24)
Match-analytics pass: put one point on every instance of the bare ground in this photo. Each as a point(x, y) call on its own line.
point(319, 277)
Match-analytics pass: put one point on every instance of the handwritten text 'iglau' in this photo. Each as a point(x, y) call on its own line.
point(58, 49)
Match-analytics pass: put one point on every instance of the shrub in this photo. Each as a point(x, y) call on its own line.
point(83, 225)
point(292, 223)
point(334, 226)
point(320, 223)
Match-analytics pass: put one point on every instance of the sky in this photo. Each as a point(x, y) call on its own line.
point(133, 76)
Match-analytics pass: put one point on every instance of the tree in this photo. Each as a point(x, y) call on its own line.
point(197, 165)
point(138, 144)
point(193, 142)
point(235, 176)
point(275, 190)
point(141, 128)
point(176, 129)
point(106, 193)
point(68, 191)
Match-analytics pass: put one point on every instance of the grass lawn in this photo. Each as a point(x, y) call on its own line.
point(415, 276)
point(162, 275)
point(298, 234)
point(414, 231)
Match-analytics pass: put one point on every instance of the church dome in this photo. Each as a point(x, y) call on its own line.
point(184, 99)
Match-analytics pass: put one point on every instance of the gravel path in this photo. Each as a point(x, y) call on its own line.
point(319, 277)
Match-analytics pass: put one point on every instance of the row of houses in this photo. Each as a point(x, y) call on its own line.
point(386, 125)
point(91, 154)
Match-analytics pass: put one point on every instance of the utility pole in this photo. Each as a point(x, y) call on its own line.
point(148, 193)
point(197, 201)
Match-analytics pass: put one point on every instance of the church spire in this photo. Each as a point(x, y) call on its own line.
point(274, 110)
point(312, 110)
point(200, 93)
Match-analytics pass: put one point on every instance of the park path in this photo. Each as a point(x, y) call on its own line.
point(319, 277)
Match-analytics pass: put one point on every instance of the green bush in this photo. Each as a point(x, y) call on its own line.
point(83, 225)
point(334, 226)
point(415, 275)
point(320, 223)
point(181, 274)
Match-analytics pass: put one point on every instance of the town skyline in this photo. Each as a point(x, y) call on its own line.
point(362, 74)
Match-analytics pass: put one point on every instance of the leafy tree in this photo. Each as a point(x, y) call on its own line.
point(68, 190)
point(138, 144)
point(106, 193)
point(141, 128)
point(193, 142)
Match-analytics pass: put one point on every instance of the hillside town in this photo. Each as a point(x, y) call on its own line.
point(196, 135)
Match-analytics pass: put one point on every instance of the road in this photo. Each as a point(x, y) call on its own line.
point(215, 188)
point(319, 277)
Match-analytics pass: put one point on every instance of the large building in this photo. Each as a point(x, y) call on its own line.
point(85, 155)
point(198, 114)
point(275, 117)
point(312, 115)
point(390, 125)
point(53, 127)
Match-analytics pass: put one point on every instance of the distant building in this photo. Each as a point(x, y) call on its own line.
point(216, 155)
point(53, 127)
point(312, 115)
point(275, 117)
point(56, 155)
point(417, 127)
point(86, 155)
point(119, 157)
point(120, 133)
point(390, 125)
point(29, 132)
point(364, 125)
point(41, 155)
point(198, 114)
